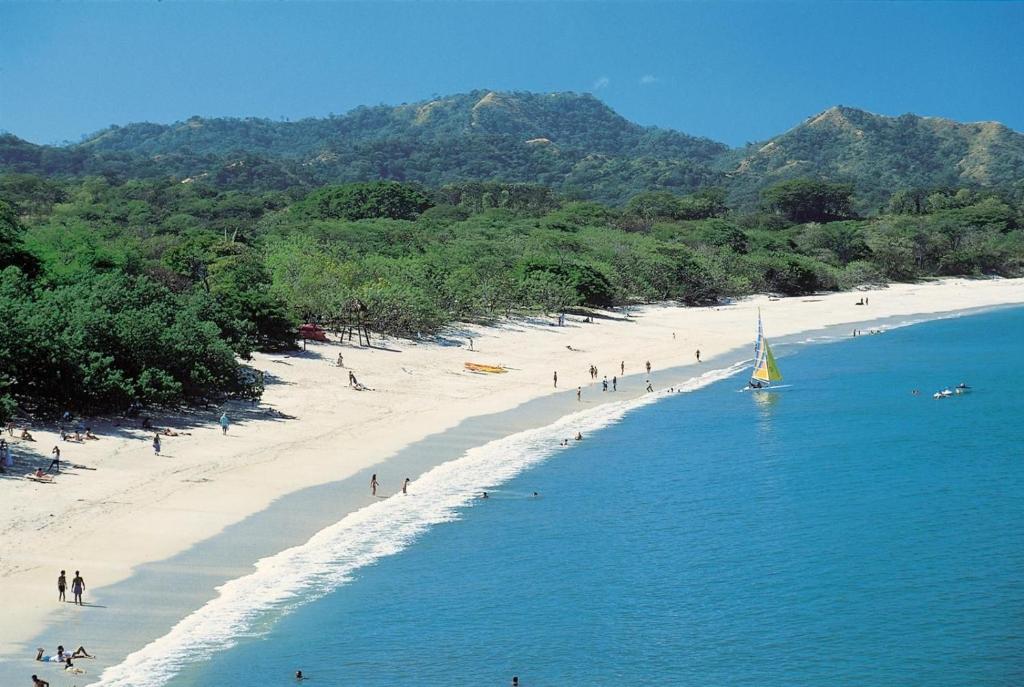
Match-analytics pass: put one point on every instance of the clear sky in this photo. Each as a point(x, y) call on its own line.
point(734, 72)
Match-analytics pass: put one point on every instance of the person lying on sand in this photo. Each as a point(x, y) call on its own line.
point(36, 682)
point(39, 476)
point(90, 435)
point(61, 656)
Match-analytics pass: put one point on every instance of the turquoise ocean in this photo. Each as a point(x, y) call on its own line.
point(837, 531)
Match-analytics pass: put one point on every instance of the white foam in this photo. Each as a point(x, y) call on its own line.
point(246, 606)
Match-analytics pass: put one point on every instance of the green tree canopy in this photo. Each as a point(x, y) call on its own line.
point(809, 200)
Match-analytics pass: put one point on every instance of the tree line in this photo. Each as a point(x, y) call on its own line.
point(155, 292)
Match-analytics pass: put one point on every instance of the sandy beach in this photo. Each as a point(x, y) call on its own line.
point(128, 506)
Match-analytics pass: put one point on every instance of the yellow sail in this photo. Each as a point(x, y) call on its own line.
point(765, 368)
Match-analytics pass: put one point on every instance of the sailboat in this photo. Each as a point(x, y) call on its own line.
point(765, 370)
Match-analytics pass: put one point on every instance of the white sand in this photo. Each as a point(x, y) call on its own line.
point(136, 507)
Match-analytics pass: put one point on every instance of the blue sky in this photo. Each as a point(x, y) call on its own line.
point(734, 72)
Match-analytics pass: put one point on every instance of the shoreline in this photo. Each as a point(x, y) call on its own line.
point(210, 519)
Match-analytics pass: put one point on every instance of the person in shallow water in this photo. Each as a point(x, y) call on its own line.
point(299, 675)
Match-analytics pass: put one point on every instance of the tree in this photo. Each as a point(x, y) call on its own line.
point(809, 200)
point(12, 248)
point(366, 200)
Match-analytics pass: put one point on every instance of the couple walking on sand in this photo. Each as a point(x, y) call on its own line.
point(77, 587)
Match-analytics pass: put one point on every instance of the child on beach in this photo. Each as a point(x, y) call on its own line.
point(224, 422)
point(156, 444)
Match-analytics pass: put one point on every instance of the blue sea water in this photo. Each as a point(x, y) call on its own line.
point(839, 531)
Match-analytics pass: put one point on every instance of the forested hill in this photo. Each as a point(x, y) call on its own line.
point(570, 142)
point(880, 155)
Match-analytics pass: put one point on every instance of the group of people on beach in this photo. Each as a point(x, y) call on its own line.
point(374, 484)
point(77, 587)
point(62, 657)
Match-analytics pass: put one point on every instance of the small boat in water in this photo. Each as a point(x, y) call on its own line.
point(765, 370)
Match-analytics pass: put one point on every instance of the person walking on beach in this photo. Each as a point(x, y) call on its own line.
point(56, 459)
point(62, 585)
point(156, 444)
point(78, 587)
point(373, 485)
point(556, 379)
point(649, 387)
point(579, 390)
point(698, 355)
point(405, 486)
point(224, 422)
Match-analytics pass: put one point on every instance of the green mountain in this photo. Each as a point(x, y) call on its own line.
point(571, 142)
point(879, 155)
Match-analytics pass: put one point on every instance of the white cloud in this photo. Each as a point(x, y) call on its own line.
point(648, 79)
point(603, 82)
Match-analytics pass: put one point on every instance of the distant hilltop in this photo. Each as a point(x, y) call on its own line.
point(572, 142)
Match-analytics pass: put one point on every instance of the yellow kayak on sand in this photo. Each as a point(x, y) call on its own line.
point(492, 369)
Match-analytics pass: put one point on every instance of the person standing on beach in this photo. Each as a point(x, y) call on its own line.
point(405, 486)
point(56, 459)
point(622, 367)
point(648, 367)
point(78, 587)
point(156, 444)
point(224, 422)
point(604, 384)
point(698, 355)
point(579, 390)
point(615, 383)
point(556, 379)
point(373, 485)
point(62, 585)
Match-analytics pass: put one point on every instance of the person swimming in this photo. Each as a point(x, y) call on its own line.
point(484, 495)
